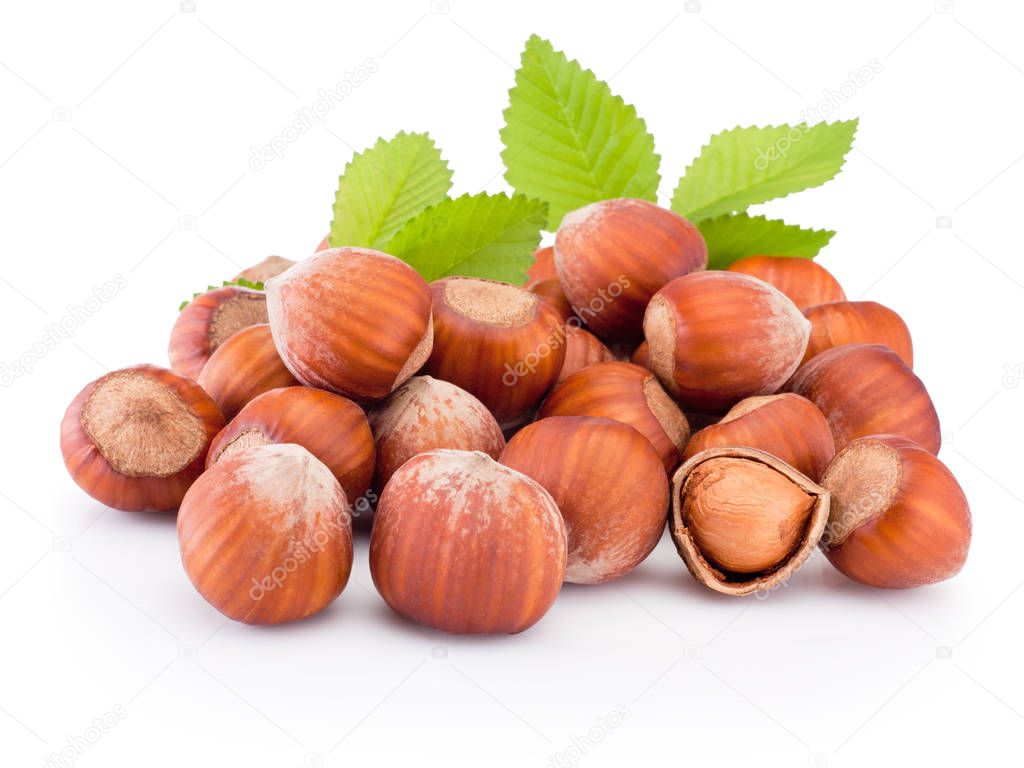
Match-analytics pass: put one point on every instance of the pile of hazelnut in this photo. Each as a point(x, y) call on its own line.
point(350, 385)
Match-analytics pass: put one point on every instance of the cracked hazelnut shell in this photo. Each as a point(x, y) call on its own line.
point(743, 520)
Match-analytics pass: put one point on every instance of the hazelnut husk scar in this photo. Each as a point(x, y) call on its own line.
point(768, 530)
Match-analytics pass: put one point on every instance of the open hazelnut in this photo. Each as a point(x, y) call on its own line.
point(805, 282)
point(743, 520)
point(208, 321)
point(582, 348)
point(463, 544)
point(718, 337)
point(627, 393)
point(331, 427)
point(351, 320)
point(866, 389)
point(244, 366)
point(899, 518)
point(858, 322)
point(499, 342)
point(266, 535)
point(427, 413)
point(613, 518)
point(613, 255)
point(272, 266)
point(787, 426)
point(136, 439)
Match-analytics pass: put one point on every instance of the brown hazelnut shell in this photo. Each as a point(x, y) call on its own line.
point(804, 281)
point(612, 256)
point(899, 518)
point(244, 366)
point(499, 342)
point(351, 320)
point(866, 389)
point(717, 337)
point(627, 393)
point(108, 478)
point(208, 321)
point(710, 576)
point(582, 348)
point(787, 426)
point(858, 322)
point(331, 427)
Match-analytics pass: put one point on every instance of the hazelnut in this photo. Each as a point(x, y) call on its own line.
point(266, 536)
point(137, 438)
point(244, 366)
point(641, 355)
point(899, 518)
point(858, 322)
point(743, 520)
point(208, 321)
point(787, 426)
point(351, 320)
point(543, 267)
point(463, 544)
point(427, 413)
point(264, 270)
point(627, 393)
point(865, 389)
point(805, 282)
point(331, 427)
point(612, 256)
point(613, 519)
point(551, 290)
point(499, 342)
point(582, 348)
point(718, 337)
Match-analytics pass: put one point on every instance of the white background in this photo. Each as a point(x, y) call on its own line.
point(124, 151)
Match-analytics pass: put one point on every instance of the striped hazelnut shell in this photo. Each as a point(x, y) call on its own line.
point(787, 426)
point(866, 389)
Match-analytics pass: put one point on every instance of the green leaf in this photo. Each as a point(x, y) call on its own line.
point(569, 140)
point(482, 235)
point(730, 238)
point(745, 166)
point(385, 186)
point(241, 281)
